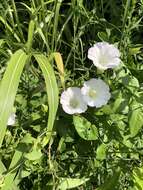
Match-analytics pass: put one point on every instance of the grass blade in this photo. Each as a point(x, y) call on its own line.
point(8, 88)
point(8, 27)
point(52, 91)
point(2, 167)
point(56, 19)
point(10, 176)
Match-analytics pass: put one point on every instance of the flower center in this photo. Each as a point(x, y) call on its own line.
point(103, 59)
point(74, 103)
point(92, 93)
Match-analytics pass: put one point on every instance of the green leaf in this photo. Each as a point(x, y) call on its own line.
point(2, 179)
point(135, 121)
point(138, 178)
point(60, 67)
point(102, 36)
point(9, 28)
point(8, 88)
point(12, 171)
point(131, 82)
point(111, 182)
point(2, 41)
point(2, 167)
point(101, 152)
point(120, 104)
point(85, 129)
point(28, 139)
point(52, 92)
point(128, 80)
point(34, 155)
point(25, 173)
point(41, 34)
point(69, 183)
point(135, 50)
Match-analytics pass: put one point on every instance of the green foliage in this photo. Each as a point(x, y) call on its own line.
point(138, 178)
point(85, 129)
point(111, 182)
point(46, 42)
point(12, 170)
point(69, 183)
point(101, 152)
point(9, 87)
point(52, 92)
point(135, 119)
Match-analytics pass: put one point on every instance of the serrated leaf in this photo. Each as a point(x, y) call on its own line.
point(85, 129)
point(69, 183)
point(8, 88)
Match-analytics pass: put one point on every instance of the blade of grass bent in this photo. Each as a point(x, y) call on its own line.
point(8, 88)
point(52, 92)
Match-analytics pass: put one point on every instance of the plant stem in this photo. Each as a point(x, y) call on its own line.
point(30, 35)
point(56, 18)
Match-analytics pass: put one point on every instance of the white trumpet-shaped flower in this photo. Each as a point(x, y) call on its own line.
point(104, 55)
point(11, 119)
point(95, 92)
point(72, 101)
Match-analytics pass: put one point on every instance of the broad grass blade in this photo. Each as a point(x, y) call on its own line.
point(8, 88)
point(52, 92)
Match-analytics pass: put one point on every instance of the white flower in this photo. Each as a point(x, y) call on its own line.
point(72, 101)
point(41, 24)
point(104, 55)
point(95, 92)
point(11, 119)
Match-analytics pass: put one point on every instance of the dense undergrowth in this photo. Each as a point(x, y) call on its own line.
point(43, 36)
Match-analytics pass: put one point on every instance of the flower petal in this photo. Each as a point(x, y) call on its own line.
point(104, 55)
point(101, 92)
point(11, 119)
point(72, 101)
